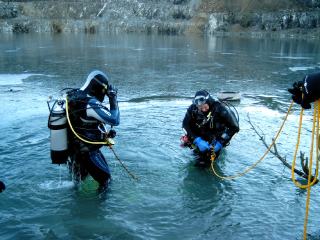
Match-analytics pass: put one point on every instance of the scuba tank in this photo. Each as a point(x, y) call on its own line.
point(57, 123)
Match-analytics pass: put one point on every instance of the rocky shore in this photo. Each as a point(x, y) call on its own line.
point(161, 16)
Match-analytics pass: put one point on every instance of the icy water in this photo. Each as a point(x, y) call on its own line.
point(157, 77)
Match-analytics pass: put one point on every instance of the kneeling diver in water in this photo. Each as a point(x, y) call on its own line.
point(78, 128)
point(209, 126)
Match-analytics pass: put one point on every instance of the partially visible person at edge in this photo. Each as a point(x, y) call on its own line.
point(209, 126)
point(88, 116)
point(307, 90)
point(2, 186)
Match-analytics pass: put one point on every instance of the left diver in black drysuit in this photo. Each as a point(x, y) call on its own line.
point(88, 117)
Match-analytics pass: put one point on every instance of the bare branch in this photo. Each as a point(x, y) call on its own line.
point(275, 152)
point(304, 163)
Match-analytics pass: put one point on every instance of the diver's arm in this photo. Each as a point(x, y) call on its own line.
point(114, 108)
point(186, 124)
point(307, 90)
point(232, 125)
point(96, 110)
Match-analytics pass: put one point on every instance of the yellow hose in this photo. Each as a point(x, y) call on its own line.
point(99, 143)
point(76, 134)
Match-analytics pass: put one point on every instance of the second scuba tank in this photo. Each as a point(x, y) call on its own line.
point(57, 123)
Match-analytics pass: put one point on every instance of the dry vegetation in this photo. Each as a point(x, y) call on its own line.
point(245, 6)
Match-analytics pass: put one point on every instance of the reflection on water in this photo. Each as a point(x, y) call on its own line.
point(157, 77)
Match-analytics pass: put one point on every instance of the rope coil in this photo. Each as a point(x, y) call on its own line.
point(311, 182)
point(314, 134)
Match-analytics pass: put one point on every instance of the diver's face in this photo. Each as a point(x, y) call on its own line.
point(203, 107)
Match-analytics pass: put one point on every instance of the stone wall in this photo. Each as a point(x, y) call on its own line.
point(263, 21)
point(158, 16)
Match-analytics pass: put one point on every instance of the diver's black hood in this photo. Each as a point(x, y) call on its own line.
point(96, 85)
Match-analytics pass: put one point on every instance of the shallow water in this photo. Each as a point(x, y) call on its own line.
point(157, 77)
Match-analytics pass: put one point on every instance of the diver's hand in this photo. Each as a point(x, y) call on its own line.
point(112, 91)
point(298, 92)
point(112, 133)
point(217, 146)
point(201, 144)
point(306, 91)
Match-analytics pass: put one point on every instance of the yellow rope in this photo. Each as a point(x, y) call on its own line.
point(315, 119)
point(315, 133)
point(309, 181)
point(261, 159)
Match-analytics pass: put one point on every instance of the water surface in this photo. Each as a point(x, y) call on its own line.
point(157, 77)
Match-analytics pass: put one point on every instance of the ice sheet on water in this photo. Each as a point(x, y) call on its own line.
point(267, 96)
point(138, 49)
point(12, 50)
point(291, 57)
point(56, 184)
point(15, 79)
point(295, 69)
point(262, 111)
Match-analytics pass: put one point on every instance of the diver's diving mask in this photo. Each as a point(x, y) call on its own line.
point(199, 100)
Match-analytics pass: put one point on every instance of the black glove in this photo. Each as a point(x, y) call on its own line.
point(112, 133)
point(296, 91)
point(306, 91)
point(112, 91)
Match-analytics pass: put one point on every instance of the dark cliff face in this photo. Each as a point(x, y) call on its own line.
point(246, 6)
point(159, 16)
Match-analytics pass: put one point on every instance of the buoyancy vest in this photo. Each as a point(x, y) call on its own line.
point(84, 126)
point(213, 124)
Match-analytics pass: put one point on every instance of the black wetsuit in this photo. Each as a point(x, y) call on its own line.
point(219, 123)
point(86, 114)
point(306, 91)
